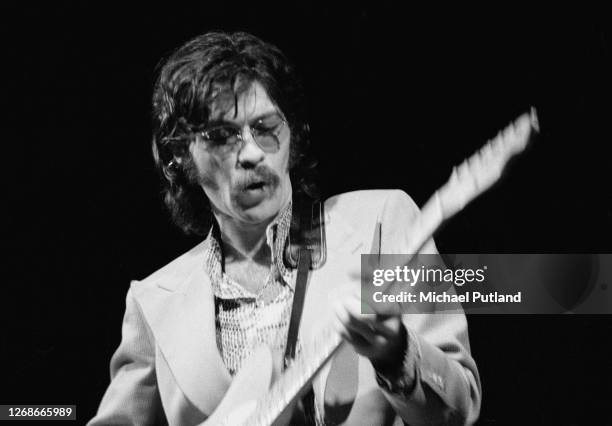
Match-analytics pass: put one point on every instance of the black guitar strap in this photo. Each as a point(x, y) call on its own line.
point(298, 302)
point(307, 236)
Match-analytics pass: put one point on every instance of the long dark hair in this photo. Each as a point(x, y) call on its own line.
point(187, 85)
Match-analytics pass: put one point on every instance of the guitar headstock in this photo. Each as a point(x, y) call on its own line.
point(479, 172)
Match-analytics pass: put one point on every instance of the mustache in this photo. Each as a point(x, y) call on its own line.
point(260, 174)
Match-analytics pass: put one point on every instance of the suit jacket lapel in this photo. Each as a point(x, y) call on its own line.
point(183, 324)
point(326, 284)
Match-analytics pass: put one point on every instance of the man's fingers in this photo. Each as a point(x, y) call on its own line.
point(355, 339)
point(368, 326)
point(386, 308)
point(384, 322)
point(350, 324)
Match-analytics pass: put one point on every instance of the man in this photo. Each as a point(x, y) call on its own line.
point(230, 139)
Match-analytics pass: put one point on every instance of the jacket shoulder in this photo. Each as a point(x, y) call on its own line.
point(174, 273)
point(367, 205)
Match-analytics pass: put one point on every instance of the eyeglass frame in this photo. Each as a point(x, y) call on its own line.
point(239, 134)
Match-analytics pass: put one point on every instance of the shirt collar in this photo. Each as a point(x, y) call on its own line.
point(277, 233)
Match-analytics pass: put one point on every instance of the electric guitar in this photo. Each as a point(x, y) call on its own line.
point(255, 398)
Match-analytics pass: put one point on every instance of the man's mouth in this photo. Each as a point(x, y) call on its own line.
point(253, 193)
point(255, 186)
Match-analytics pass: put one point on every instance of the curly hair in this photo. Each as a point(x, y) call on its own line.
point(188, 84)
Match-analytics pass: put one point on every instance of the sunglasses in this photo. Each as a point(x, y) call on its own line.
point(265, 131)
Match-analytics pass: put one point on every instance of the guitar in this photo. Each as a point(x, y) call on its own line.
point(255, 398)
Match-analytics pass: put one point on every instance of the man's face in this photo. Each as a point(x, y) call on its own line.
point(247, 184)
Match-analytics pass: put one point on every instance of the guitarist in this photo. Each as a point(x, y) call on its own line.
point(230, 142)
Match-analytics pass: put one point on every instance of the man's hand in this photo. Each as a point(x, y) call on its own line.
point(380, 337)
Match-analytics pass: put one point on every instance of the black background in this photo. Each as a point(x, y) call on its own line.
point(397, 97)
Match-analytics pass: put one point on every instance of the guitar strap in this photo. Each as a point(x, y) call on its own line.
point(298, 303)
point(306, 236)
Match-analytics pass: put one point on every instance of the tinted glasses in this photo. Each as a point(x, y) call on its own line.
point(229, 137)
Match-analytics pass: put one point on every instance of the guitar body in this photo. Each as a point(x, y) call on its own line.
point(252, 381)
point(248, 387)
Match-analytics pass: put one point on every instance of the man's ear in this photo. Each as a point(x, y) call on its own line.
point(172, 168)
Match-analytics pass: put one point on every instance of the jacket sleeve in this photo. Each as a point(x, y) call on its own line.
point(132, 397)
point(442, 385)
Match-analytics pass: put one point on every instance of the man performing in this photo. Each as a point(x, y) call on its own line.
point(230, 140)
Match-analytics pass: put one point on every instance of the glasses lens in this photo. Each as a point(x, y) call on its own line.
point(266, 131)
point(268, 142)
point(219, 136)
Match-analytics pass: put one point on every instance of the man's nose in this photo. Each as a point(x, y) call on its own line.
point(250, 152)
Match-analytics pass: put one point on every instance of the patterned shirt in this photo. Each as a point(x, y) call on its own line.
point(245, 320)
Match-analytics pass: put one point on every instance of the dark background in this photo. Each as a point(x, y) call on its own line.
point(397, 97)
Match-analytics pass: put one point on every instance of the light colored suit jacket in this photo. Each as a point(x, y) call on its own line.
point(168, 369)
